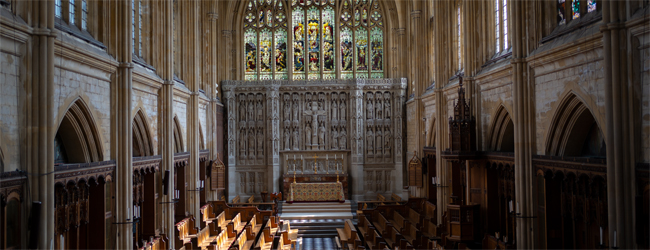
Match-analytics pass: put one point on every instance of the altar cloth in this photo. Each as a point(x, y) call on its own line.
point(326, 191)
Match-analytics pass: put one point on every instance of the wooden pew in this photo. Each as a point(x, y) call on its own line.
point(236, 199)
point(208, 235)
point(186, 233)
point(347, 235)
point(381, 198)
point(207, 215)
point(250, 199)
point(234, 226)
point(395, 197)
point(397, 220)
point(159, 243)
point(265, 241)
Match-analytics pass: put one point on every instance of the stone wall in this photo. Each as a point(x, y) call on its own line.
point(11, 110)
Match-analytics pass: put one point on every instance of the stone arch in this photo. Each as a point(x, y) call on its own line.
point(2, 161)
point(77, 138)
point(178, 136)
point(501, 135)
point(574, 130)
point(142, 143)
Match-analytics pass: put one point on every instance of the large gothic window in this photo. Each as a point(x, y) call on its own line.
point(313, 39)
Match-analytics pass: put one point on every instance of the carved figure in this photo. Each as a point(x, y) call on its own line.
point(335, 139)
point(321, 135)
point(295, 138)
point(387, 142)
point(343, 140)
point(334, 110)
point(308, 134)
point(251, 143)
point(287, 111)
point(259, 111)
point(251, 112)
point(370, 141)
point(369, 110)
point(260, 141)
point(342, 106)
point(295, 111)
point(242, 110)
point(242, 143)
point(287, 137)
point(387, 110)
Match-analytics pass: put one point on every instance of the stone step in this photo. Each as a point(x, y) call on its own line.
point(307, 215)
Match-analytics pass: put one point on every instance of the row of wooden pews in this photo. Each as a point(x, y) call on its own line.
point(404, 225)
point(225, 226)
point(158, 243)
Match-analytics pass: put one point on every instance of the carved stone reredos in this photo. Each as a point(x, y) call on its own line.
point(359, 118)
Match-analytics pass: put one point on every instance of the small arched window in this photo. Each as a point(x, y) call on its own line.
point(459, 37)
point(136, 26)
point(501, 25)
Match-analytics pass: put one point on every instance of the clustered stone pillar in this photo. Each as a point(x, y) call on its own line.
point(40, 129)
point(167, 117)
point(619, 131)
point(523, 118)
point(194, 80)
point(121, 92)
point(212, 88)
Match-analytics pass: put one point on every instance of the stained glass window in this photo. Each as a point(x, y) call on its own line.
point(575, 8)
point(561, 17)
point(591, 5)
point(301, 36)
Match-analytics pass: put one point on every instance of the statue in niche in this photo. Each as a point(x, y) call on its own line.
point(335, 139)
point(370, 141)
point(295, 111)
point(378, 137)
point(321, 135)
point(378, 107)
point(242, 109)
point(387, 142)
point(287, 111)
point(242, 143)
point(259, 111)
point(314, 113)
point(370, 109)
point(308, 134)
point(251, 144)
point(260, 141)
point(387, 108)
point(295, 138)
point(334, 109)
point(342, 106)
point(251, 111)
point(287, 137)
point(343, 140)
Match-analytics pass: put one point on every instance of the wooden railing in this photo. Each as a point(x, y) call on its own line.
point(463, 222)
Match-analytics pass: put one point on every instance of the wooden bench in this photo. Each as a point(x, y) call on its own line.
point(265, 241)
point(347, 235)
point(186, 233)
point(381, 198)
point(398, 220)
point(395, 197)
point(414, 217)
point(251, 199)
point(236, 199)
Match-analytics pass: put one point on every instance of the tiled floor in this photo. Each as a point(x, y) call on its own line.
point(318, 244)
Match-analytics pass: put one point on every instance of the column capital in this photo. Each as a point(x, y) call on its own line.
point(212, 16)
point(400, 31)
point(226, 33)
point(416, 14)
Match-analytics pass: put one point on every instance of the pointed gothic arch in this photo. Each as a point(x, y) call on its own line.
point(178, 136)
point(142, 140)
point(77, 138)
point(502, 132)
point(574, 131)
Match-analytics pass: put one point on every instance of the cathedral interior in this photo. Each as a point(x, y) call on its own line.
point(364, 124)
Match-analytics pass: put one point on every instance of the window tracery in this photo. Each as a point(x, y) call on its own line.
point(313, 39)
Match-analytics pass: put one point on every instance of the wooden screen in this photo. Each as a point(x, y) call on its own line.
point(217, 175)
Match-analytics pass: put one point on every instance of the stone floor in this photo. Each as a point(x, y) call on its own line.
point(318, 244)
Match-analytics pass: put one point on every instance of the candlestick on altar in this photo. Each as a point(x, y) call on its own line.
point(315, 164)
point(294, 171)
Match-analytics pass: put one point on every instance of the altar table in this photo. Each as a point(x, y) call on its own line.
point(327, 191)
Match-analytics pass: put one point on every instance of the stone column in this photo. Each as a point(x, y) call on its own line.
point(212, 94)
point(619, 135)
point(399, 100)
point(273, 136)
point(193, 83)
point(225, 52)
point(39, 123)
point(356, 108)
point(167, 116)
point(122, 149)
point(231, 137)
point(522, 118)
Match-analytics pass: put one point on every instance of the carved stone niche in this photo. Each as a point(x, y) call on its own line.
point(359, 118)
